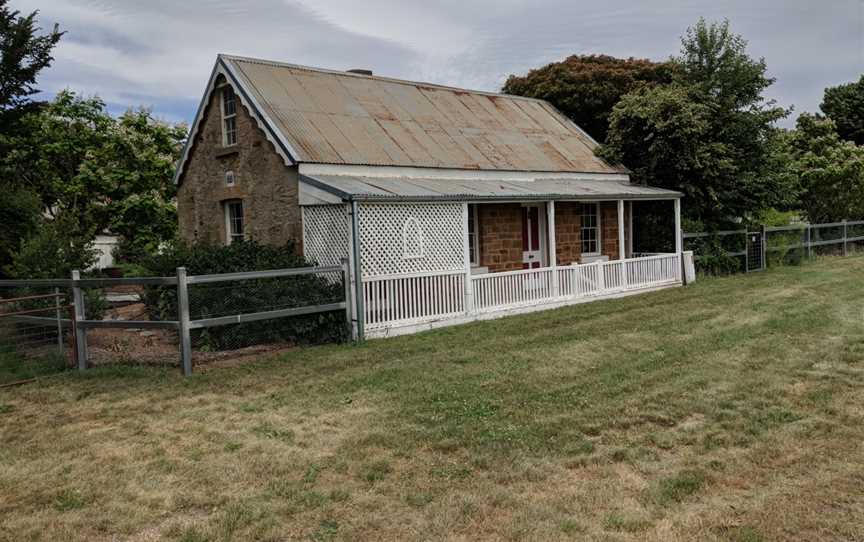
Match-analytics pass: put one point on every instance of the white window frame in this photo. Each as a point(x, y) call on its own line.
point(597, 227)
point(230, 236)
point(474, 254)
point(230, 178)
point(229, 138)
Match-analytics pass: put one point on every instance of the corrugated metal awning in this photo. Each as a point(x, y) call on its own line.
point(360, 188)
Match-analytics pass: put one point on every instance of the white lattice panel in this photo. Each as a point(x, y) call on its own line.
point(325, 233)
point(400, 238)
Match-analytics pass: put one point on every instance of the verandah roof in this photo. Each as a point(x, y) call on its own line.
point(364, 188)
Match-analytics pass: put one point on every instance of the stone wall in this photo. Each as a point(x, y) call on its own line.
point(609, 227)
point(500, 236)
point(500, 233)
point(567, 232)
point(267, 187)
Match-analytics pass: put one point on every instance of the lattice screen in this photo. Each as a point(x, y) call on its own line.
point(325, 233)
point(383, 245)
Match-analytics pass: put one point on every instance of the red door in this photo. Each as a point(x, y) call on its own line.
point(531, 256)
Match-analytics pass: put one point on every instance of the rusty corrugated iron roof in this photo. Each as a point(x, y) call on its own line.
point(346, 118)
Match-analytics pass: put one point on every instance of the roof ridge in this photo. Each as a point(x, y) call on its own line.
point(397, 80)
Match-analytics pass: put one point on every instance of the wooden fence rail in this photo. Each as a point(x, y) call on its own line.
point(183, 324)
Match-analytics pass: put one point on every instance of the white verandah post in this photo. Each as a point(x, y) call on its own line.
point(679, 242)
point(621, 249)
point(553, 255)
point(466, 254)
point(630, 230)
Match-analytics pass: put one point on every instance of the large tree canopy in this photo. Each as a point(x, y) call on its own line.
point(709, 134)
point(94, 172)
point(586, 88)
point(844, 104)
point(828, 171)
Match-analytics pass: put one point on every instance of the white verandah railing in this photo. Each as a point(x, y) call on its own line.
point(424, 297)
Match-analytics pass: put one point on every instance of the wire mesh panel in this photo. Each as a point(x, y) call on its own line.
point(401, 238)
point(238, 297)
point(129, 344)
point(755, 252)
point(35, 337)
point(325, 234)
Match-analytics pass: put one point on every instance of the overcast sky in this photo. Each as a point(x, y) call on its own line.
point(159, 53)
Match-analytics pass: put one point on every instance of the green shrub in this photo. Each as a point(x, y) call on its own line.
point(712, 257)
point(52, 253)
point(134, 270)
point(235, 297)
point(785, 247)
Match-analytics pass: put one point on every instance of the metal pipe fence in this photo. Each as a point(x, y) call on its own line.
point(200, 303)
point(757, 248)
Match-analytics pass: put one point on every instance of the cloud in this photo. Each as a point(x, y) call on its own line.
point(159, 53)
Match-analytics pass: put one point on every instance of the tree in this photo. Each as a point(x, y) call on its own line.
point(23, 54)
point(93, 172)
point(708, 134)
point(586, 88)
point(844, 104)
point(828, 171)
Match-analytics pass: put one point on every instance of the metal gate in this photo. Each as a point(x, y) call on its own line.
point(755, 252)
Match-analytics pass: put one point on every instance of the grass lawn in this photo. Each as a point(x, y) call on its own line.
point(728, 410)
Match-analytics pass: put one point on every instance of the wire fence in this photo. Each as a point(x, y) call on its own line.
point(243, 297)
point(170, 320)
point(35, 338)
point(748, 250)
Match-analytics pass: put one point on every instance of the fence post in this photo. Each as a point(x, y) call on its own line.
point(183, 319)
point(845, 245)
point(764, 241)
point(808, 241)
point(80, 314)
point(746, 250)
point(59, 323)
point(346, 284)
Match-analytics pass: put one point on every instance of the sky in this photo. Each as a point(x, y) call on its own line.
point(159, 53)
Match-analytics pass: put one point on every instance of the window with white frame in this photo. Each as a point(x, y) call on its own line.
point(234, 224)
point(473, 236)
point(229, 117)
point(590, 228)
point(412, 239)
point(229, 178)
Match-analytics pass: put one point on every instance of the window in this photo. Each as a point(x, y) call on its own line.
point(234, 227)
point(412, 239)
point(229, 117)
point(229, 178)
point(473, 236)
point(590, 228)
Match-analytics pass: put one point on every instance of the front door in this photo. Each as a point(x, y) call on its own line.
point(532, 254)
